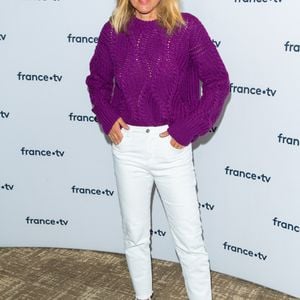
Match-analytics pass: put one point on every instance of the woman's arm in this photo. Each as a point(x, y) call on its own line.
point(100, 81)
point(215, 86)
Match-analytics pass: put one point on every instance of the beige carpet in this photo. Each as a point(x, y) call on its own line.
point(52, 273)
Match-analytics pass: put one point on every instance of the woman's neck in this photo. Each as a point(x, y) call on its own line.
point(146, 17)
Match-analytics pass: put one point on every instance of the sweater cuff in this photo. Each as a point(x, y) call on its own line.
point(106, 119)
point(185, 134)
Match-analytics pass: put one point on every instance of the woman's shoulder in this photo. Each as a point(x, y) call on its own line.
point(193, 23)
point(191, 20)
point(106, 31)
point(107, 26)
point(189, 17)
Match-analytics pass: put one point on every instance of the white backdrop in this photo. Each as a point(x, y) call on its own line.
point(56, 176)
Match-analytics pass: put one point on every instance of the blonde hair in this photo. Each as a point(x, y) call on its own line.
point(168, 15)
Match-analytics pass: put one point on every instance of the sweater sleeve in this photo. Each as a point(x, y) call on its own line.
point(100, 81)
point(215, 87)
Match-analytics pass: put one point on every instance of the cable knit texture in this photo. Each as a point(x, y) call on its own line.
point(149, 78)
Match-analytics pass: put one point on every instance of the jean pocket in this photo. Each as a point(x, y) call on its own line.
point(123, 139)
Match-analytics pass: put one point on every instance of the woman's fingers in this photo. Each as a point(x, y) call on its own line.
point(175, 144)
point(117, 136)
point(115, 133)
point(123, 124)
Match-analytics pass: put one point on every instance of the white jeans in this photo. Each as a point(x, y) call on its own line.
point(140, 159)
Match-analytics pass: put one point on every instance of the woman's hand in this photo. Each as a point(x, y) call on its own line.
point(115, 133)
point(173, 142)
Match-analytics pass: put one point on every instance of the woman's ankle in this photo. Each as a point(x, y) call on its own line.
point(146, 298)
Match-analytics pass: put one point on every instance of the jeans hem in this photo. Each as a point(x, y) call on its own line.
point(143, 297)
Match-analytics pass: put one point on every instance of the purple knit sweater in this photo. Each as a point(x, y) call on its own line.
point(149, 78)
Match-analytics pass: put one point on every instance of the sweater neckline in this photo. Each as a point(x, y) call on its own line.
point(145, 23)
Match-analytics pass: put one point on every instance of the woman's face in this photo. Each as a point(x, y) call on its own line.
point(145, 7)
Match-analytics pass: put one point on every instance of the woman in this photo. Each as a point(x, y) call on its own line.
point(144, 84)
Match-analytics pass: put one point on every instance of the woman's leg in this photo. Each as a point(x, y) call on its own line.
point(134, 187)
point(176, 184)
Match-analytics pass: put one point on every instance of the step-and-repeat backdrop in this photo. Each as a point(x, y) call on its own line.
point(56, 176)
